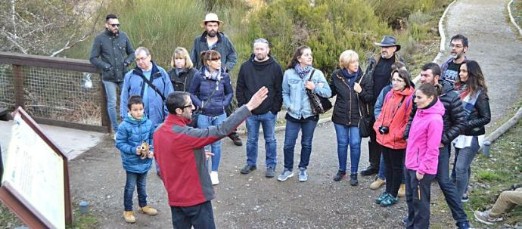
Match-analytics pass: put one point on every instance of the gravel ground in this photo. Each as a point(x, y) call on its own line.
point(253, 201)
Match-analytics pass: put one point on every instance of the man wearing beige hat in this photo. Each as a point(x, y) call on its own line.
point(213, 39)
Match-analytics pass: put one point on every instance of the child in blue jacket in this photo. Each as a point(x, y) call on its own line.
point(134, 140)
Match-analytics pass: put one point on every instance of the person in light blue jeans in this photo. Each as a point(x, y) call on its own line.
point(299, 77)
point(268, 121)
point(111, 91)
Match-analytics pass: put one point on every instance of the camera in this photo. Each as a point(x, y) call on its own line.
point(384, 129)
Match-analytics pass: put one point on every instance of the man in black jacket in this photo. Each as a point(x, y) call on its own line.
point(111, 53)
point(379, 69)
point(261, 70)
point(454, 122)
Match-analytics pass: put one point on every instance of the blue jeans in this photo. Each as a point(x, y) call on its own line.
point(348, 135)
point(111, 94)
point(448, 187)
point(138, 180)
point(206, 121)
point(307, 127)
point(268, 121)
point(462, 167)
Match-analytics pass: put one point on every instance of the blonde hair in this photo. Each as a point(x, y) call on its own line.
point(182, 53)
point(347, 57)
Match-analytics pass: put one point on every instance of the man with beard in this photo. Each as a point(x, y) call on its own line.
point(454, 121)
point(213, 39)
point(261, 70)
point(379, 69)
point(450, 68)
point(111, 53)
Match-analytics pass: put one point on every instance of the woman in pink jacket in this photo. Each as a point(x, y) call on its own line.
point(422, 152)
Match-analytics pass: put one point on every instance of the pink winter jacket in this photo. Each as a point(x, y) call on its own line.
point(422, 150)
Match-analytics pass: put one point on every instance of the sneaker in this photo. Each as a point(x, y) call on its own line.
point(285, 175)
point(148, 210)
point(402, 191)
point(463, 225)
point(353, 180)
point(247, 169)
point(214, 177)
point(369, 171)
point(383, 196)
point(465, 198)
point(129, 217)
point(235, 138)
point(389, 201)
point(377, 184)
point(485, 217)
point(270, 172)
point(303, 175)
point(339, 176)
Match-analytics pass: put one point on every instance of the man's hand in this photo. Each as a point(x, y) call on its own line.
point(257, 99)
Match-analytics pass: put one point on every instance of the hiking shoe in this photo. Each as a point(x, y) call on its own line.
point(383, 196)
point(270, 172)
point(247, 169)
point(402, 191)
point(389, 201)
point(285, 175)
point(303, 175)
point(485, 217)
point(148, 210)
point(377, 184)
point(129, 217)
point(235, 138)
point(353, 180)
point(465, 199)
point(339, 176)
point(369, 171)
point(214, 177)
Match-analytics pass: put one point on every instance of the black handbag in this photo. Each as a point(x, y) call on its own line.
point(365, 122)
point(318, 103)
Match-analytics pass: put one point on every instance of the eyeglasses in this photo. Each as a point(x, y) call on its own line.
point(187, 106)
point(141, 58)
point(215, 59)
point(115, 25)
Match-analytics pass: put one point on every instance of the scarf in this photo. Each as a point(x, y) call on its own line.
point(349, 76)
point(302, 72)
point(216, 75)
point(468, 99)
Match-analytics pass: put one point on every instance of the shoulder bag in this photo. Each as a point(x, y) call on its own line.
point(318, 103)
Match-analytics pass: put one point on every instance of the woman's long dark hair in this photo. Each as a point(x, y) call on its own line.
point(476, 79)
point(298, 52)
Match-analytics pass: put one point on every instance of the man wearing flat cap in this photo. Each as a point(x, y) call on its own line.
point(213, 39)
point(379, 69)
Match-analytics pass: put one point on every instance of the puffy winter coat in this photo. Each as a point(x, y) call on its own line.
point(211, 96)
point(181, 80)
point(346, 108)
point(131, 134)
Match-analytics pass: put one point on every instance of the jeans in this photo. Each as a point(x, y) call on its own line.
point(418, 199)
point(448, 187)
point(197, 216)
point(206, 121)
point(348, 135)
point(382, 169)
point(138, 180)
point(394, 160)
point(307, 127)
point(462, 167)
point(111, 89)
point(268, 121)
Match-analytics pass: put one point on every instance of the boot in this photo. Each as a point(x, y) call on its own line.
point(129, 216)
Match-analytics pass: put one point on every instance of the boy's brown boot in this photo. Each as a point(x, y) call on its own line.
point(148, 210)
point(129, 217)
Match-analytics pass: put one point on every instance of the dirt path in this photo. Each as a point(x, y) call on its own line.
point(252, 201)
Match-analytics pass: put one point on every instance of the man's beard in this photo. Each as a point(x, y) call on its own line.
point(212, 33)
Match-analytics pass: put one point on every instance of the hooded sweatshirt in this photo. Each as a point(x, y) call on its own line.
point(422, 151)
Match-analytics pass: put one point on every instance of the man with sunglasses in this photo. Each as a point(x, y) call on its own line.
point(111, 53)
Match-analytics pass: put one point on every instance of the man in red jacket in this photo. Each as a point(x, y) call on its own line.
point(181, 157)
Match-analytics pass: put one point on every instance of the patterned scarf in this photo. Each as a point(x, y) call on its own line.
point(468, 99)
point(216, 75)
point(302, 72)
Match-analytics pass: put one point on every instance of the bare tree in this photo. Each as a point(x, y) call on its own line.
point(45, 27)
